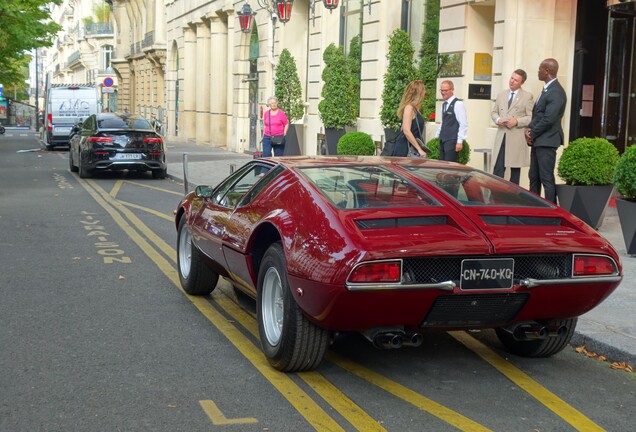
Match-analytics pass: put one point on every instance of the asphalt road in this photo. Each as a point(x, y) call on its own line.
point(96, 335)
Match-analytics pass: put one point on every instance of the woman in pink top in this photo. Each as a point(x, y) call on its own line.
point(276, 124)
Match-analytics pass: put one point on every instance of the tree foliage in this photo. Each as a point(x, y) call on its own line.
point(429, 67)
point(400, 71)
point(355, 65)
point(338, 106)
point(588, 161)
point(288, 89)
point(25, 25)
point(625, 174)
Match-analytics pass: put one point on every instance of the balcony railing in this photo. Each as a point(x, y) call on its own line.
point(149, 39)
point(73, 58)
point(100, 28)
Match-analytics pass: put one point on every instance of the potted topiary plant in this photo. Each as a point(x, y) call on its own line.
point(289, 94)
point(400, 71)
point(463, 157)
point(625, 183)
point(356, 143)
point(338, 107)
point(587, 166)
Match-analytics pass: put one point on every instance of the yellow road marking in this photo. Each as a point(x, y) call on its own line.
point(154, 187)
point(323, 387)
point(115, 190)
point(299, 399)
point(422, 402)
point(555, 404)
point(147, 210)
point(217, 416)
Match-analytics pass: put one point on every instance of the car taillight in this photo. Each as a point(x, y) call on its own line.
point(97, 139)
point(377, 272)
point(49, 122)
point(593, 265)
point(153, 140)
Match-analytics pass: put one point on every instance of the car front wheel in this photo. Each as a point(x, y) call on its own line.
point(289, 340)
point(71, 165)
point(539, 347)
point(195, 276)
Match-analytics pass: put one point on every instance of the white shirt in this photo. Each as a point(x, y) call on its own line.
point(462, 119)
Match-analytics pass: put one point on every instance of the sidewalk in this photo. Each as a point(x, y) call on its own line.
point(608, 330)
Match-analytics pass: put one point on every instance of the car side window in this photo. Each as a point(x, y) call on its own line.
point(230, 193)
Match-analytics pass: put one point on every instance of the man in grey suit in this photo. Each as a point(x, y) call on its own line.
point(545, 133)
point(512, 112)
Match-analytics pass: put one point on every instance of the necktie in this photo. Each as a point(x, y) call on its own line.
point(444, 106)
point(512, 96)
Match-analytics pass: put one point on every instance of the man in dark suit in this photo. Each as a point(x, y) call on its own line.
point(545, 133)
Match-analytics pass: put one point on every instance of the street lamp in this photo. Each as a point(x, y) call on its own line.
point(246, 17)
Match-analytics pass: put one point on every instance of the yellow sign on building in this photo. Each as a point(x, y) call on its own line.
point(483, 67)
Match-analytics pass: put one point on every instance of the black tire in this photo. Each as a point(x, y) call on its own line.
point(289, 340)
point(195, 276)
point(159, 174)
point(539, 347)
point(83, 171)
point(71, 166)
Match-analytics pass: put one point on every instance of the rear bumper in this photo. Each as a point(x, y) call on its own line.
point(141, 165)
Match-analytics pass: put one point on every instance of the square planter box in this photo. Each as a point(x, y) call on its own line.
point(588, 203)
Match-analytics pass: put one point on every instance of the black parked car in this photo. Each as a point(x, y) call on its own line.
point(116, 141)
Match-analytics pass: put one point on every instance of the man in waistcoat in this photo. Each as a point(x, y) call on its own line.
point(454, 126)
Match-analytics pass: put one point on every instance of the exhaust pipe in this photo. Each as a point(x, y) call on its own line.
point(527, 331)
point(413, 340)
point(388, 340)
point(557, 331)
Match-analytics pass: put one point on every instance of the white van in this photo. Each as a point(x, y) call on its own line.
point(65, 106)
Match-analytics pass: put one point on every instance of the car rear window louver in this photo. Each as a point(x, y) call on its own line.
point(521, 220)
point(401, 222)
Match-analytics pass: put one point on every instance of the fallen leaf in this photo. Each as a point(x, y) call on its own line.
point(601, 358)
point(580, 349)
point(121, 277)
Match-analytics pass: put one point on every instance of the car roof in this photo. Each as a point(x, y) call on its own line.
point(317, 161)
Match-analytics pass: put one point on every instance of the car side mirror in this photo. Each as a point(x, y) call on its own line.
point(203, 191)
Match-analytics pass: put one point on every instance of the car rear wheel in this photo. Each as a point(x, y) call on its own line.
point(71, 165)
point(289, 340)
point(539, 347)
point(159, 174)
point(195, 276)
point(83, 171)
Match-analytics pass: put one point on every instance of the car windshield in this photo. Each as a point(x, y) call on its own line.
point(123, 123)
point(355, 187)
point(476, 188)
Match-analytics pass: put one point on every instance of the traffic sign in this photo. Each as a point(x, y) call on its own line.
point(108, 82)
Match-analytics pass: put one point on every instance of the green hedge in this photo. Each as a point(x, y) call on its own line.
point(588, 161)
point(625, 174)
point(356, 143)
point(463, 157)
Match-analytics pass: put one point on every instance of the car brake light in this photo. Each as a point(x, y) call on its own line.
point(377, 272)
point(153, 140)
point(94, 139)
point(593, 265)
point(101, 153)
point(49, 122)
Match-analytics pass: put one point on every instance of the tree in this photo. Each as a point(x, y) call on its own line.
point(288, 89)
point(338, 106)
point(355, 65)
point(25, 24)
point(429, 67)
point(400, 72)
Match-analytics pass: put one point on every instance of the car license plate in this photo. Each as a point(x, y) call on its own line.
point(62, 130)
point(127, 156)
point(487, 273)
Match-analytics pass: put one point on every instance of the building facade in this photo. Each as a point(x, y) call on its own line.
point(188, 62)
point(84, 47)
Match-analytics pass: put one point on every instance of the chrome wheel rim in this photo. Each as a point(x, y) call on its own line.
point(185, 252)
point(272, 306)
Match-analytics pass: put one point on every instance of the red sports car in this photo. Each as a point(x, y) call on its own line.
point(391, 248)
